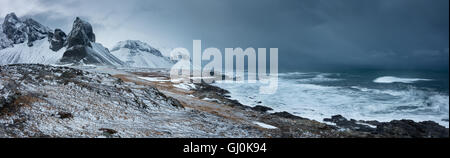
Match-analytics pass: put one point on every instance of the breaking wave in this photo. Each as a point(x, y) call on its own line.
point(392, 79)
point(311, 99)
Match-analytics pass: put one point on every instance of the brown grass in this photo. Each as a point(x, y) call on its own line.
point(21, 102)
point(212, 108)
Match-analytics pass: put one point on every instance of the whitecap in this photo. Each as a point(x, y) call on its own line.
point(392, 79)
point(357, 102)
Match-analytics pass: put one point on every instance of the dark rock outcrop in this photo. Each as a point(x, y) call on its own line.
point(342, 122)
point(261, 108)
point(57, 39)
point(393, 129)
point(411, 129)
point(79, 42)
point(19, 31)
point(81, 47)
point(81, 34)
point(285, 114)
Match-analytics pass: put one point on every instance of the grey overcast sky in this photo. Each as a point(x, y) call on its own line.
point(309, 33)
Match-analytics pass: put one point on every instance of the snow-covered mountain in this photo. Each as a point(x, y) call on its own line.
point(23, 41)
point(38, 53)
point(139, 54)
point(28, 41)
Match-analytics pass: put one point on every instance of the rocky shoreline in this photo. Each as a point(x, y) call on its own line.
point(53, 101)
point(355, 128)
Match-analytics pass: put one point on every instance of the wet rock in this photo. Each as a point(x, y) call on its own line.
point(261, 108)
point(285, 114)
point(342, 122)
point(394, 129)
point(411, 129)
point(204, 87)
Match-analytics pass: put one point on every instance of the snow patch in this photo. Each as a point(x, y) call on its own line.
point(211, 100)
point(263, 125)
point(185, 86)
point(154, 79)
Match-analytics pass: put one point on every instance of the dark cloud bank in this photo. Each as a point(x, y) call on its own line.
point(392, 34)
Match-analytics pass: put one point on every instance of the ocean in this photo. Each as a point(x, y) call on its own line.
point(361, 95)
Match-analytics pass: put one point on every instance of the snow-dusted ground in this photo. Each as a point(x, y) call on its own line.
point(64, 102)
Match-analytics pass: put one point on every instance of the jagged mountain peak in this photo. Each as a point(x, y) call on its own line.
point(11, 18)
point(18, 30)
point(78, 47)
point(81, 34)
point(81, 47)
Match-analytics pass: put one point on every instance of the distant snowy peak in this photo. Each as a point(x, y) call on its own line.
point(139, 54)
point(135, 45)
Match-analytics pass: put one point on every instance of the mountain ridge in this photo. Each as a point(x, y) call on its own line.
point(79, 46)
point(136, 53)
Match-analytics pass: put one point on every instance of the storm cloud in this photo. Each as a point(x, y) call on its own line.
point(406, 34)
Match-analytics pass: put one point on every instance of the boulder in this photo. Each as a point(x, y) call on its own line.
point(285, 114)
point(261, 108)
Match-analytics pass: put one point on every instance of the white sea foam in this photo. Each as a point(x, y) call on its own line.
point(317, 102)
point(392, 79)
